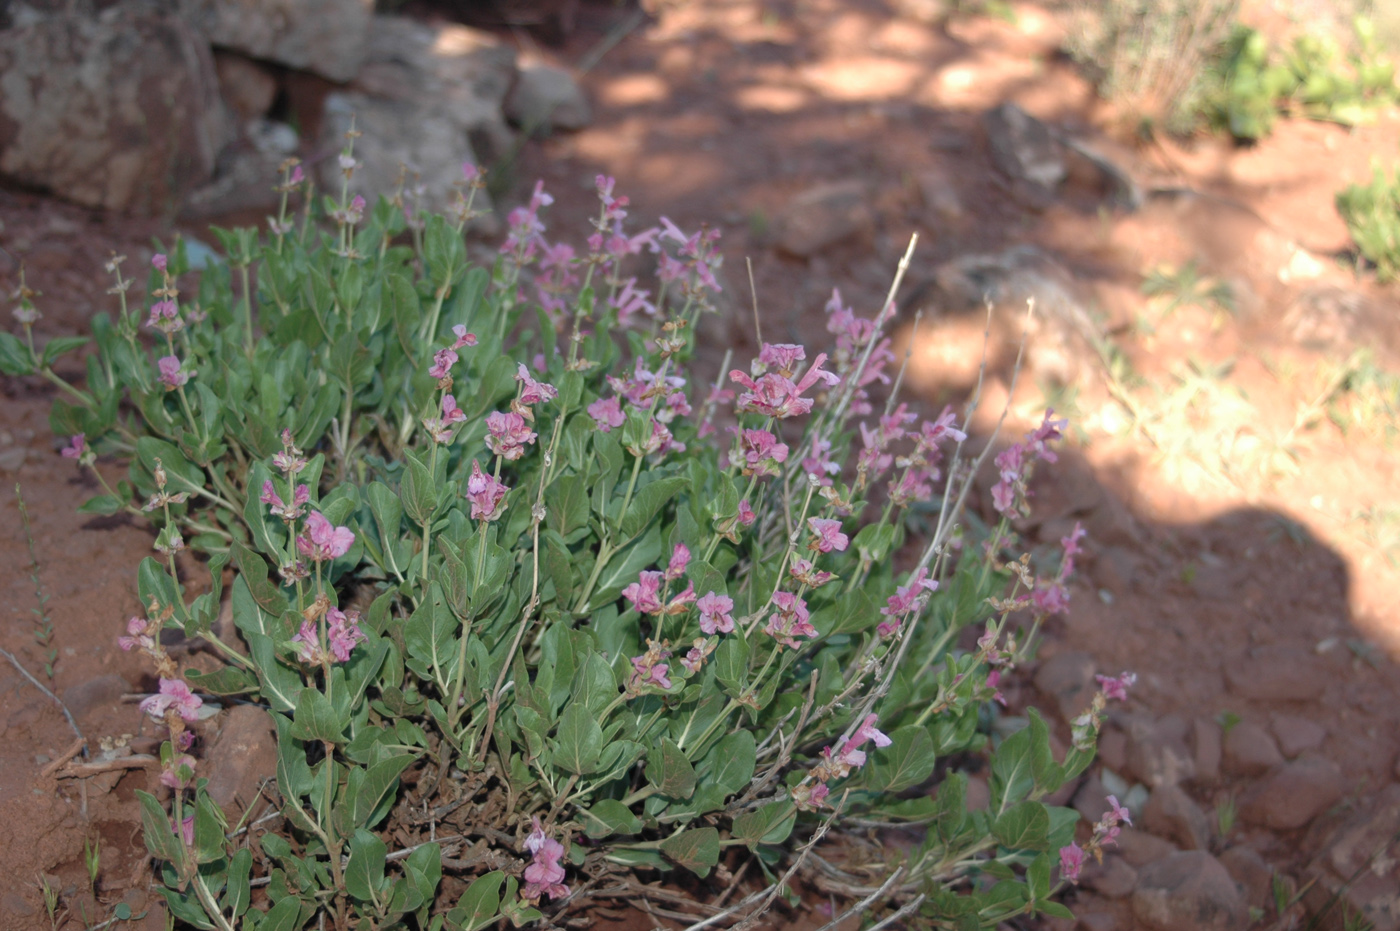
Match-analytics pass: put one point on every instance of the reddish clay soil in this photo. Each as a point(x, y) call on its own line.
point(1203, 545)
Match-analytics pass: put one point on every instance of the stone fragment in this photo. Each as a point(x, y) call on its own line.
point(1091, 801)
point(823, 216)
point(428, 98)
point(327, 37)
point(1157, 751)
point(1277, 673)
point(118, 110)
point(1251, 874)
point(1297, 735)
point(1249, 750)
point(545, 98)
point(248, 172)
point(1206, 744)
point(1188, 891)
point(1140, 848)
point(1024, 149)
point(244, 754)
point(248, 87)
point(1068, 679)
point(1292, 794)
point(939, 195)
point(1350, 868)
point(1173, 814)
point(1098, 921)
point(1113, 748)
point(1113, 879)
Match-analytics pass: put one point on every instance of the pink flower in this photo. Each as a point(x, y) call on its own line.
point(323, 542)
point(469, 171)
point(828, 535)
point(174, 693)
point(648, 670)
point(507, 434)
point(933, 432)
point(300, 497)
point(443, 360)
point(1118, 813)
point(544, 875)
point(693, 660)
point(531, 391)
point(868, 731)
point(179, 773)
point(910, 597)
point(463, 337)
point(1071, 862)
point(714, 613)
point(186, 829)
point(607, 414)
point(1050, 597)
point(343, 633)
point(139, 635)
point(76, 447)
point(308, 640)
point(680, 558)
point(780, 356)
point(993, 679)
point(803, 571)
point(789, 621)
point(818, 462)
point(298, 176)
point(775, 395)
point(159, 261)
point(165, 316)
point(746, 514)
point(485, 493)
point(170, 372)
point(645, 593)
point(762, 452)
point(440, 428)
point(1117, 687)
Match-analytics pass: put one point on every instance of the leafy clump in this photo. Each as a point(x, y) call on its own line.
point(1372, 214)
point(537, 616)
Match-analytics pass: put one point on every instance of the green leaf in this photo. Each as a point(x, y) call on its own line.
point(906, 762)
point(316, 719)
point(230, 680)
point(238, 893)
point(578, 741)
point(566, 505)
point(669, 770)
point(105, 505)
point(771, 824)
point(364, 875)
point(697, 849)
point(1023, 827)
point(1046, 773)
point(479, 904)
point(732, 762)
point(610, 817)
point(209, 828)
point(732, 662)
point(15, 358)
point(595, 684)
point(417, 490)
point(284, 916)
point(648, 501)
point(1038, 877)
point(1012, 775)
point(379, 779)
point(159, 835)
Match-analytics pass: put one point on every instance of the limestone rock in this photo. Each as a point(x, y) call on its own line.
point(1157, 751)
point(1140, 848)
point(1206, 742)
point(247, 173)
point(1369, 885)
point(545, 98)
point(1292, 794)
point(243, 756)
point(1251, 873)
point(119, 111)
point(324, 36)
point(1277, 673)
point(1249, 750)
point(1188, 891)
point(939, 195)
point(823, 216)
point(427, 97)
point(1173, 814)
point(93, 695)
point(1113, 879)
point(1024, 149)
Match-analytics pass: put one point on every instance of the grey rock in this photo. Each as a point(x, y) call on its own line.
point(823, 216)
point(244, 754)
point(1024, 149)
point(1277, 673)
point(94, 695)
point(1297, 735)
point(1249, 750)
point(1068, 679)
point(1140, 848)
point(118, 111)
point(939, 195)
point(327, 37)
point(248, 172)
point(1292, 794)
point(1206, 740)
point(1098, 921)
point(1251, 873)
point(1091, 801)
point(1188, 891)
point(545, 98)
point(248, 87)
point(428, 98)
point(1113, 879)
point(1348, 867)
point(1173, 814)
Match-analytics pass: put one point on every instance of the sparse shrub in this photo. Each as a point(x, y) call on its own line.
point(1372, 214)
point(531, 626)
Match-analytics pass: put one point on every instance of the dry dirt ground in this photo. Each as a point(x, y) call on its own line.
point(1243, 545)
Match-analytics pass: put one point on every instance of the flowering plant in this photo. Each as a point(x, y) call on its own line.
point(537, 610)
